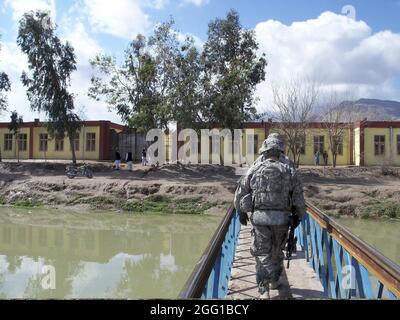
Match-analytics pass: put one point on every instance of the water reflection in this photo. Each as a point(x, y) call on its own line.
point(99, 256)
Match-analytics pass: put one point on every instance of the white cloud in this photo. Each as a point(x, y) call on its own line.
point(339, 51)
point(156, 4)
point(19, 7)
point(13, 62)
point(197, 3)
point(120, 18)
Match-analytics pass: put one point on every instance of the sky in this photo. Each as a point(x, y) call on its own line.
point(348, 46)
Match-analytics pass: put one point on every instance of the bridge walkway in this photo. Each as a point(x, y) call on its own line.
point(298, 282)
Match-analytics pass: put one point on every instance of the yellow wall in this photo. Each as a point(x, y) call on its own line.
point(308, 157)
point(390, 157)
point(51, 153)
point(13, 153)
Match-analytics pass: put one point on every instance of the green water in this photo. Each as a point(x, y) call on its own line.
point(98, 255)
point(384, 235)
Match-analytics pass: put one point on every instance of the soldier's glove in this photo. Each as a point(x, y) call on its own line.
point(294, 220)
point(243, 218)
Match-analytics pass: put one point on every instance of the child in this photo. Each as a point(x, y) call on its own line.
point(117, 161)
point(129, 160)
point(144, 157)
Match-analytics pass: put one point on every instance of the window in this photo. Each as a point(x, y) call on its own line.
point(75, 142)
point(398, 144)
point(43, 139)
point(8, 141)
point(318, 144)
point(379, 142)
point(22, 142)
point(59, 144)
point(91, 141)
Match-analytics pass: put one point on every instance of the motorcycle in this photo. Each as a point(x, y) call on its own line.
point(83, 171)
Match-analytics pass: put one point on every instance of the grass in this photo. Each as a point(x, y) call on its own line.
point(2, 200)
point(29, 203)
point(165, 205)
point(381, 209)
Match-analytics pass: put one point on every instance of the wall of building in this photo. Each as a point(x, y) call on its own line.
point(308, 157)
point(390, 157)
point(65, 154)
point(12, 154)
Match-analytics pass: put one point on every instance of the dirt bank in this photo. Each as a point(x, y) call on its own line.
point(354, 191)
point(176, 188)
point(170, 188)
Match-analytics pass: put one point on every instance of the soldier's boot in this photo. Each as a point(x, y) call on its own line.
point(265, 295)
point(274, 285)
point(263, 289)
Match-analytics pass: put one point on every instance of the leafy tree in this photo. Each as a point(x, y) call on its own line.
point(4, 87)
point(232, 69)
point(51, 63)
point(187, 97)
point(129, 88)
point(141, 88)
point(14, 127)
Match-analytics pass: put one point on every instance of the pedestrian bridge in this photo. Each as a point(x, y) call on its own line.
point(330, 263)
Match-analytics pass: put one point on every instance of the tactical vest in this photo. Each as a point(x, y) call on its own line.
point(271, 185)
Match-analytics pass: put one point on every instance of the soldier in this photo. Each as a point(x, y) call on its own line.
point(282, 158)
point(269, 190)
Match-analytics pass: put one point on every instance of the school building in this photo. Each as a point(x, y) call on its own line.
point(92, 142)
point(365, 143)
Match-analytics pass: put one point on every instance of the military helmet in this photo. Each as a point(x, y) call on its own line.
point(272, 142)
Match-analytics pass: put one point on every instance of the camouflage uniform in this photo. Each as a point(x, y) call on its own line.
point(268, 190)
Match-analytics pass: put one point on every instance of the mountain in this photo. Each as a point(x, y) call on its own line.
point(374, 109)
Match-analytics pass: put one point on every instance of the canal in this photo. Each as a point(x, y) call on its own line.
point(98, 255)
point(384, 235)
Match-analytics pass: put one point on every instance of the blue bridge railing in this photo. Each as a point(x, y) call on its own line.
point(211, 275)
point(347, 267)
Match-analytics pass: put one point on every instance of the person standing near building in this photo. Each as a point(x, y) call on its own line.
point(144, 157)
point(117, 161)
point(316, 158)
point(325, 156)
point(270, 190)
point(129, 160)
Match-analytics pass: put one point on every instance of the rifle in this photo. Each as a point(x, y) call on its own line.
point(291, 245)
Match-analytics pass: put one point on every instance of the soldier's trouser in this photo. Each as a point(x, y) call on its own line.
point(267, 247)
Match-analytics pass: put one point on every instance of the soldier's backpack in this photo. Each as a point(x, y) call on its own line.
point(271, 185)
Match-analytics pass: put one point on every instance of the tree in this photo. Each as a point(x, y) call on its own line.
point(14, 127)
point(4, 87)
point(51, 63)
point(187, 97)
point(232, 69)
point(336, 119)
point(139, 89)
point(293, 104)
